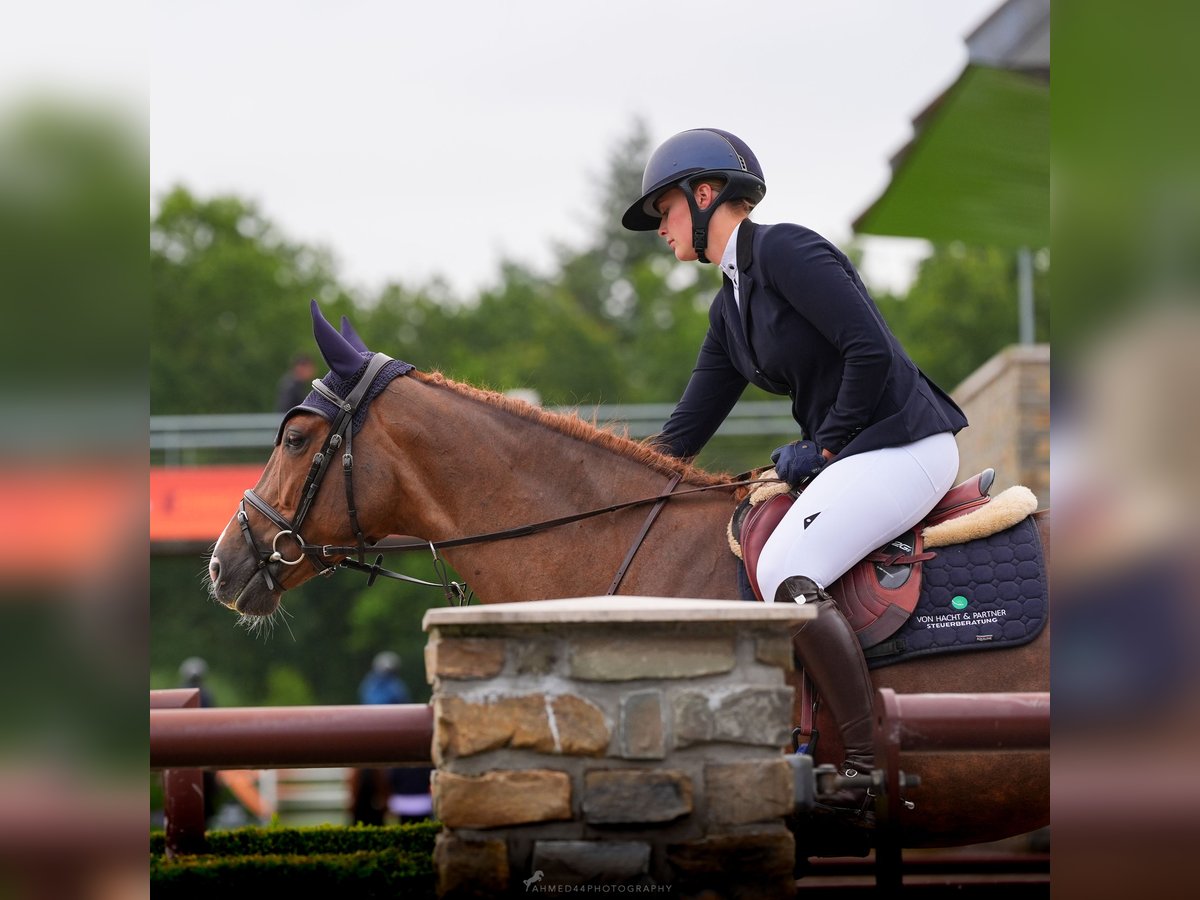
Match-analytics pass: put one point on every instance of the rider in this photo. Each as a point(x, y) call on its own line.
point(793, 317)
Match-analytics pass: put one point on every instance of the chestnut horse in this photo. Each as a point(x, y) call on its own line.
point(438, 460)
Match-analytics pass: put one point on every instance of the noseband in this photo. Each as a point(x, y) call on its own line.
point(340, 435)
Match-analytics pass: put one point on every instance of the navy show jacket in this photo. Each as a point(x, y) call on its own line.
point(807, 328)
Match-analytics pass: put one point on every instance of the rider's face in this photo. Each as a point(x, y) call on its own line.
point(675, 226)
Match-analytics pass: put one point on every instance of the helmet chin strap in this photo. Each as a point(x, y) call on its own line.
point(700, 218)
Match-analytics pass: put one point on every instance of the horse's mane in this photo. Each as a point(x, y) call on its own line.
point(577, 428)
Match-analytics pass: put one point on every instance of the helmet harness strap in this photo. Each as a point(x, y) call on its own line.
point(700, 217)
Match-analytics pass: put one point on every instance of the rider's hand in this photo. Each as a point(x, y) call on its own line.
point(798, 461)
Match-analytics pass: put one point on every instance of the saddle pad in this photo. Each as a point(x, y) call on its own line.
point(986, 593)
point(982, 594)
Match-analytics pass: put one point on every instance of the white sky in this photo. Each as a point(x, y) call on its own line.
point(437, 138)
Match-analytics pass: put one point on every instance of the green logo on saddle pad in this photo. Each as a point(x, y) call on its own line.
point(959, 602)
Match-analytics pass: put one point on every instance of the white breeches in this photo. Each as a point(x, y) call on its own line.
point(860, 503)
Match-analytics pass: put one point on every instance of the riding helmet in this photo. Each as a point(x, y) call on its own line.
point(686, 159)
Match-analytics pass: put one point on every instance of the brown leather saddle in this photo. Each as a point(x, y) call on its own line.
point(880, 592)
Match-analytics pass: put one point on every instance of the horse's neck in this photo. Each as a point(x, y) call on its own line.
point(471, 467)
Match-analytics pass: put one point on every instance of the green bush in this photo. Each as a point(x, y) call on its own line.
point(363, 861)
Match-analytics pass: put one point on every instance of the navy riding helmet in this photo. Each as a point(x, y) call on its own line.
point(687, 159)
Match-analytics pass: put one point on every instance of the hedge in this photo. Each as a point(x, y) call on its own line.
point(392, 861)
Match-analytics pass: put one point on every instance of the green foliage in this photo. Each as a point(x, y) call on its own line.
point(286, 686)
point(228, 298)
point(363, 861)
point(73, 196)
point(962, 309)
point(412, 838)
point(332, 629)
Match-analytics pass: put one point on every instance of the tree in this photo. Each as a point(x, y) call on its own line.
point(227, 286)
point(961, 310)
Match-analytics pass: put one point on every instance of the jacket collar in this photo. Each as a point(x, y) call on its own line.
point(746, 274)
point(745, 244)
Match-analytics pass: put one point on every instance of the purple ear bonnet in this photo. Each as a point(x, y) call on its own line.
point(348, 358)
point(352, 337)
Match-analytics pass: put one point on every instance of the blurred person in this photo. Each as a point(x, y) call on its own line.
point(793, 317)
point(296, 383)
point(401, 792)
point(193, 672)
point(383, 684)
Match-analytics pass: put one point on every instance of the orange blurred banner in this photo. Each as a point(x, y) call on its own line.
point(194, 504)
point(61, 522)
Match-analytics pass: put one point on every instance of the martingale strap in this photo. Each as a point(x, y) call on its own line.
point(641, 536)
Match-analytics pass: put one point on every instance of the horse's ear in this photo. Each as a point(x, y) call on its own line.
point(343, 358)
point(351, 335)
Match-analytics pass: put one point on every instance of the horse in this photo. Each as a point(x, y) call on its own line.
point(434, 458)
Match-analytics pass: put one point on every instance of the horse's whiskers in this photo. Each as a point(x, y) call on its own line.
point(264, 626)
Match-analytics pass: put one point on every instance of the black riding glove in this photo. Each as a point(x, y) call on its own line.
point(798, 461)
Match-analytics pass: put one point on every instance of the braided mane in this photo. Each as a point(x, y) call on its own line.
point(575, 427)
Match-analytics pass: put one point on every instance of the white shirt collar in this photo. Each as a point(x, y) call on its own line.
point(729, 261)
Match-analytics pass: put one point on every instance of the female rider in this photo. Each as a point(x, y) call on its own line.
point(793, 317)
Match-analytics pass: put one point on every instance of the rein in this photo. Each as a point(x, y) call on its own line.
point(375, 570)
point(456, 593)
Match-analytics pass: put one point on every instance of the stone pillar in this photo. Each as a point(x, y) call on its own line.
point(613, 741)
point(1007, 401)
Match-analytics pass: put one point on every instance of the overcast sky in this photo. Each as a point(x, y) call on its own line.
point(437, 138)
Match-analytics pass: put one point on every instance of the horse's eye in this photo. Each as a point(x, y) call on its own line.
point(294, 440)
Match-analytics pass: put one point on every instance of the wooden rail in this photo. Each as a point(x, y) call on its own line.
point(290, 736)
point(930, 723)
point(186, 739)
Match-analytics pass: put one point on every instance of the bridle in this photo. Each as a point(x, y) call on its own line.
point(340, 434)
point(340, 438)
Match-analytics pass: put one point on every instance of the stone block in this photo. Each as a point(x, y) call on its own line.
point(626, 658)
point(501, 797)
point(464, 658)
point(632, 796)
point(538, 657)
point(470, 868)
point(580, 726)
point(465, 728)
point(775, 650)
point(564, 724)
point(693, 718)
point(754, 715)
point(748, 715)
point(641, 726)
point(598, 862)
point(753, 791)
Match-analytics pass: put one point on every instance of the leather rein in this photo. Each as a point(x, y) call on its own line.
point(340, 438)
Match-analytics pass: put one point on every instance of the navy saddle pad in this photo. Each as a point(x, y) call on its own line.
point(986, 593)
point(990, 592)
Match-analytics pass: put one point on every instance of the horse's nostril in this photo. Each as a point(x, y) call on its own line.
point(214, 569)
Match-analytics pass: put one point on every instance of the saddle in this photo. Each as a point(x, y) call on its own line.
point(880, 592)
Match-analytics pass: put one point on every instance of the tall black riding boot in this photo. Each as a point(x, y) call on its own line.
point(830, 653)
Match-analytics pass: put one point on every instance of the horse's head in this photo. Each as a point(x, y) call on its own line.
point(305, 500)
